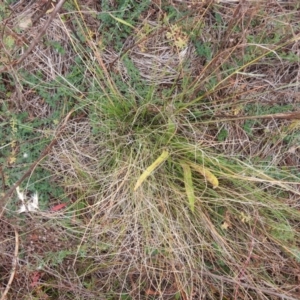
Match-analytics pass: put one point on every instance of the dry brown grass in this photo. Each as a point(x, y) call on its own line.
point(111, 242)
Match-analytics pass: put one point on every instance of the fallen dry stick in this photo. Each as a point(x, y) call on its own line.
point(37, 38)
point(14, 266)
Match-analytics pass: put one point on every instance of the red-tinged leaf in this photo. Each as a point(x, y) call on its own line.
point(35, 277)
point(58, 207)
point(151, 292)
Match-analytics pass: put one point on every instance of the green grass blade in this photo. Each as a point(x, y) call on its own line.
point(188, 183)
point(121, 21)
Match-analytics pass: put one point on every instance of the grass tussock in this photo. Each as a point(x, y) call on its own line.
point(177, 174)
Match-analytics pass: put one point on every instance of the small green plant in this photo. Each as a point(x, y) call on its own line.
point(117, 21)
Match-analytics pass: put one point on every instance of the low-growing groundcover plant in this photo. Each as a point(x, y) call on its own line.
point(175, 174)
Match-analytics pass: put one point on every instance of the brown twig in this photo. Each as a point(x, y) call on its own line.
point(34, 164)
point(42, 12)
point(3, 178)
point(14, 266)
point(283, 116)
point(37, 38)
